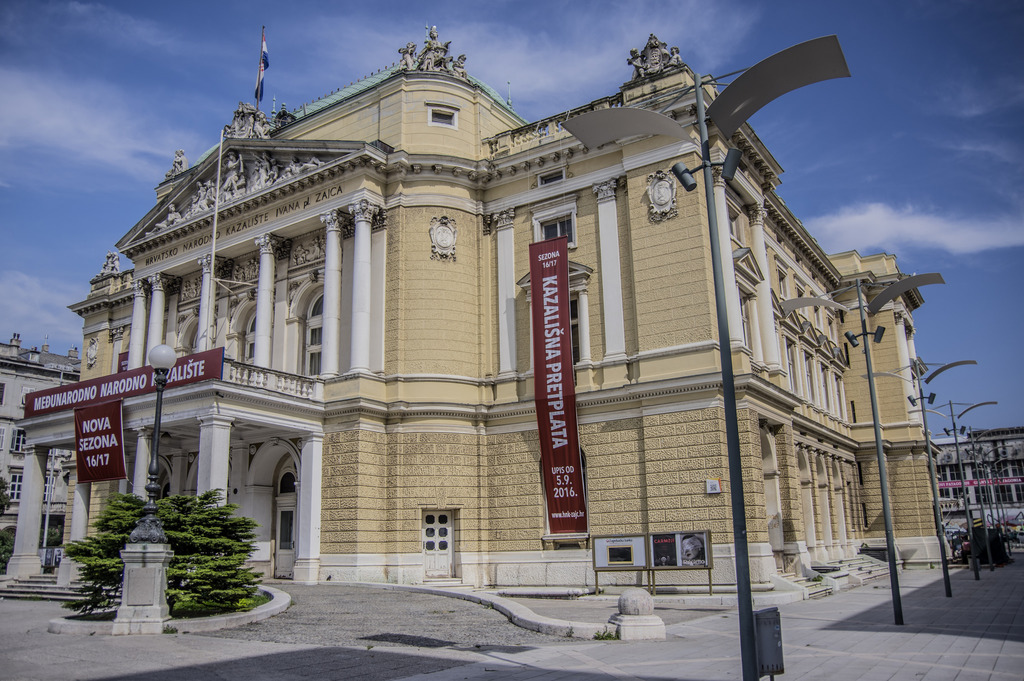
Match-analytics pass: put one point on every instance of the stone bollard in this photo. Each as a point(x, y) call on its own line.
point(636, 620)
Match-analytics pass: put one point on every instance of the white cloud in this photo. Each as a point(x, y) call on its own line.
point(81, 122)
point(877, 225)
point(34, 307)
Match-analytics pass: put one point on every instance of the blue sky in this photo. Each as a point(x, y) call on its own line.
point(916, 154)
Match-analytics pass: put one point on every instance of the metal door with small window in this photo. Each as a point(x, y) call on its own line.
point(437, 544)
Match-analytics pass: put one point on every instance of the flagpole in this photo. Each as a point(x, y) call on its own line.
point(259, 77)
point(213, 240)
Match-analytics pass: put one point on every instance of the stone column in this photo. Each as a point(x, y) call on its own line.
point(155, 336)
point(583, 309)
point(753, 322)
point(307, 554)
point(732, 295)
point(903, 357)
point(765, 313)
point(214, 454)
point(140, 473)
point(137, 339)
point(364, 213)
point(25, 561)
point(378, 284)
point(203, 338)
point(264, 301)
point(116, 338)
point(505, 234)
point(68, 570)
point(330, 352)
point(611, 274)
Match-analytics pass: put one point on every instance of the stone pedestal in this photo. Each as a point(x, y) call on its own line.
point(144, 592)
point(636, 620)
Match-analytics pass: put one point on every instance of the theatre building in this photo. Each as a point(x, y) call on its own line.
point(363, 263)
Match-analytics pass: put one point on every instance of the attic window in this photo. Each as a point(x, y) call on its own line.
point(551, 178)
point(444, 116)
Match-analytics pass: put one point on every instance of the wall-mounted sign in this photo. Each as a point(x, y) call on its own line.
point(620, 553)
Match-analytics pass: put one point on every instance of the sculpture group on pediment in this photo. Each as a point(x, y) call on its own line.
point(433, 57)
point(233, 184)
point(173, 216)
point(179, 165)
point(297, 167)
point(265, 172)
point(202, 199)
point(248, 123)
point(653, 59)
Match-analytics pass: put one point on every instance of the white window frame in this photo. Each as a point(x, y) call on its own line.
point(314, 323)
point(3, 438)
point(19, 440)
point(548, 213)
point(14, 486)
point(249, 341)
point(444, 110)
point(3, 390)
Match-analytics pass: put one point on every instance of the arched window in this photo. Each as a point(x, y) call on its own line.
point(250, 340)
point(314, 336)
point(287, 485)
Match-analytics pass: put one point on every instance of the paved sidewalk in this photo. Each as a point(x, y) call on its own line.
point(355, 633)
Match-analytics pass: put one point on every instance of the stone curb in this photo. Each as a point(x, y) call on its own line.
point(278, 604)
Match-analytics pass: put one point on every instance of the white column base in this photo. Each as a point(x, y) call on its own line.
point(306, 571)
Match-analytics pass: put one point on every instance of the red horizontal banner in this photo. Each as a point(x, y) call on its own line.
point(985, 482)
point(201, 366)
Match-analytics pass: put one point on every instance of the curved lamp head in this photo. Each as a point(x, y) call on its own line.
point(162, 357)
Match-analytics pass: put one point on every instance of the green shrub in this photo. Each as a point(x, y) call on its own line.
point(210, 544)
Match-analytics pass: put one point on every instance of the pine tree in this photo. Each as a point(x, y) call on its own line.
point(210, 546)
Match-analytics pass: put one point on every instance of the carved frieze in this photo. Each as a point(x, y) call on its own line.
point(190, 288)
point(246, 269)
point(310, 248)
point(443, 235)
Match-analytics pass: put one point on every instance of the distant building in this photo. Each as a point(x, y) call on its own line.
point(367, 276)
point(25, 370)
point(993, 474)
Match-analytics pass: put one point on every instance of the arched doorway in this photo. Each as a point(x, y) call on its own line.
point(824, 503)
point(271, 498)
point(772, 497)
point(807, 499)
point(284, 521)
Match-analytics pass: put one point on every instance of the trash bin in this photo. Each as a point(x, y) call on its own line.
point(768, 641)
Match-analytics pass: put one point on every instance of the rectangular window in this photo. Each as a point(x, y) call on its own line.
point(574, 325)
point(558, 227)
point(791, 362)
point(783, 285)
point(3, 389)
point(551, 178)
point(444, 116)
point(19, 441)
point(3, 439)
point(809, 378)
point(14, 490)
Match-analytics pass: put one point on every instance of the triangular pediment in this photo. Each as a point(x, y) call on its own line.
point(251, 170)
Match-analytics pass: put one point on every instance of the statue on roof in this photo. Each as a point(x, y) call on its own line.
point(178, 165)
point(434, 57)
point(248, 123)
point(654, 59)
point(112, 264)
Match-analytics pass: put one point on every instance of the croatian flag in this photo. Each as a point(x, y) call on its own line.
point(264, 64)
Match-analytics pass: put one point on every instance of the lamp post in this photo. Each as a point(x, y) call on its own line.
point(960, 467)
point(149, 529)
point(797, 66)
point(890, 292)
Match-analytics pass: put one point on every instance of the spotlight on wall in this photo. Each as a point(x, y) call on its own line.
point(732, 162)
point(852, 337)
point(879, 332)
point(913, 400)
point(684, 176)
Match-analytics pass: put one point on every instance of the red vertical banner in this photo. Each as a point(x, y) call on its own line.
point(555, 386)
point(99, 442)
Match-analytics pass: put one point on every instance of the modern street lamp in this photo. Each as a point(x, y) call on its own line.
point(890, 292)
point(960, 467)
point(800, 65)
point(149, 529)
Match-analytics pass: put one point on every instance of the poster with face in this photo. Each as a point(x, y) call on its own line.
point(680, 550)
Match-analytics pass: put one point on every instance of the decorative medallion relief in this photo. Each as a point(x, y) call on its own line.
point(443, 235)
point(661, 192)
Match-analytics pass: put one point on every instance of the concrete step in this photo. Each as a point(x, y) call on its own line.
point(40, 590)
